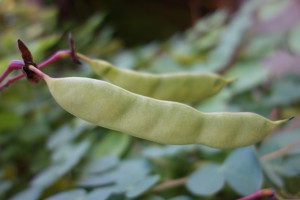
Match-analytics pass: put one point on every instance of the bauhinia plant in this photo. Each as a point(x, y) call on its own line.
point(145, 105)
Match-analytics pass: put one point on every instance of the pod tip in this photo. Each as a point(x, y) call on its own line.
point(283, 120)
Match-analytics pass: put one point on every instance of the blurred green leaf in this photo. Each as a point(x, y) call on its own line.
point(217, 103)
point(243, 171)
point(273, 9)
point(37, 48)
point(107, 145)
point(272, 174)
point(77, 194)
point(209, 40)
point(181, 198)
point(174, 150)
point(67, 133)
point(154, 152)
point(284, 91)
point(102, 164)
point(263, 45)
point(125, 60)
point(182, 51)
point(290, 166)
point(117, 196)
point(60, 137)
point(214, 20)
point(67, 157)
point(241, 71)
point(130, 172)
point(207, 180)
point(97, 180)
point(232, 36)
point(101, 193)
point(285, 165)
point(164, 64)
point(10, 120)
point(4, 186)
point(281, 140)
point(87, 29)
point(294, 40)
point(142, 186)
point(31, 193)
point(123, 176)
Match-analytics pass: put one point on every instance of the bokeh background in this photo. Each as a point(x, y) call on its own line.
point(46, 153)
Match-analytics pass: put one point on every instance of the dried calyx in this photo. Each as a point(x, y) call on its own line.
point(27, 58)
point(72, 48)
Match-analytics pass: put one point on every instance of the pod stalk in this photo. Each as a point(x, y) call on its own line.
point(38, 72)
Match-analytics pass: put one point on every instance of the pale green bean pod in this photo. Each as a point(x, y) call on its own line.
point(180, 87)
point(165, 122)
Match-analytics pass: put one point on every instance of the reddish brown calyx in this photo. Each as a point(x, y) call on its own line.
point(30, 75)
point(27, 58)
point(72, 48)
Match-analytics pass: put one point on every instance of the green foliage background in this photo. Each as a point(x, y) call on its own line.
point(45, 153)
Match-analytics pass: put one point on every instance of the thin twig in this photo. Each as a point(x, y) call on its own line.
point(169, 184)
point(280, 152)
point(268, 192)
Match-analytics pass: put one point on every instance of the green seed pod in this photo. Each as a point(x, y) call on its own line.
point(165, 122)
point(179, 87)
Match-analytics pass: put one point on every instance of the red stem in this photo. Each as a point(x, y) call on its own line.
point(58, 55)
point(18, 64)
point(14, 65)
point(37, 71)
point(261, 193)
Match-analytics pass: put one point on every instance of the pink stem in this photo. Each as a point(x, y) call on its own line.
point(18, 64)
point(11, 80)
point(58, 55)
point(14, 65)
point(37, 71)
point(261, 193)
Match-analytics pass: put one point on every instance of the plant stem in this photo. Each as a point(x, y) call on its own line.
point(56, 56)
point(169, 184)
point(279, 152)
point(261, 193)
point(83, 57)
point(38, 72)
